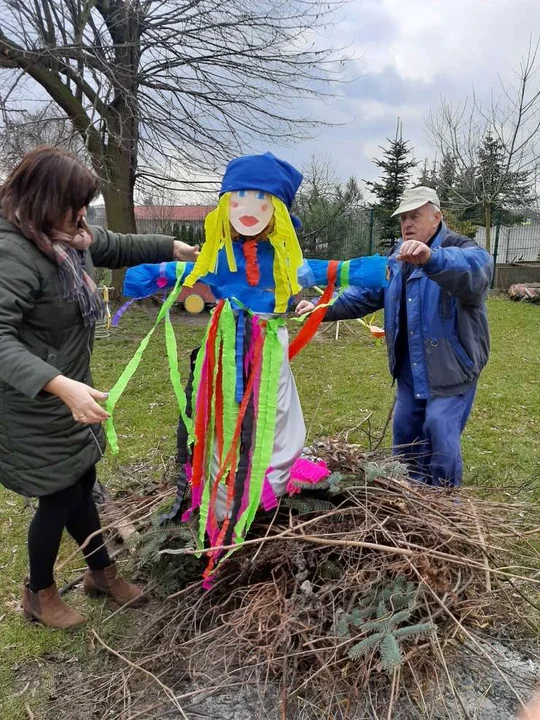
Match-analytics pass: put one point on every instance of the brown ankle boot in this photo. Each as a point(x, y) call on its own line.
point(47, 607)
point(108, 582)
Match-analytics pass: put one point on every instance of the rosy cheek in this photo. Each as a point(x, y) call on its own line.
point(264, 207)
point(234, 204)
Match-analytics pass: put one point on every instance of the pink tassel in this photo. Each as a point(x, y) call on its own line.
point(307, 471)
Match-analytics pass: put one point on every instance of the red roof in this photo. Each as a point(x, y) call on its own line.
point(174, 213)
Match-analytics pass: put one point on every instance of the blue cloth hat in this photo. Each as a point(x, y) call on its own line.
point(266, 173)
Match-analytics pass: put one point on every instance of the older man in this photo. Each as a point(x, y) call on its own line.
point(437, 334)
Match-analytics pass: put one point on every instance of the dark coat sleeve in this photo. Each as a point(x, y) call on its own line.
point(113, 250)
point(19, 286)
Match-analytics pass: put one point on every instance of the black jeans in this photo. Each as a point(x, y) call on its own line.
point(75, 510)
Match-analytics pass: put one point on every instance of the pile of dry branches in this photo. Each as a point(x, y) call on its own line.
point(351, 596)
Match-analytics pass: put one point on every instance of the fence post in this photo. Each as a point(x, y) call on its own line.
point(496, 250)
point(371, 229)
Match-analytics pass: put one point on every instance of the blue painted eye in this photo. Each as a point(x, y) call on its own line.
point(242, 193)
point(261, 195)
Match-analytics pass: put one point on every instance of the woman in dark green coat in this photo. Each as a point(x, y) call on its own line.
point(50, 418)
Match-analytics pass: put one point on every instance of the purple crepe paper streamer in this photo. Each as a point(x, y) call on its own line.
point(118, 314)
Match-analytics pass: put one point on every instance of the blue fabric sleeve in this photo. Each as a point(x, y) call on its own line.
point(355, 302)
point(142, 280)
point(365, 272)
point(464, 272)
point(306, 273)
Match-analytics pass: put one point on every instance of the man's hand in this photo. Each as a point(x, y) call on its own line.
point(80, 399)
point(304, 307)
point(414, 252)
point(184, 252)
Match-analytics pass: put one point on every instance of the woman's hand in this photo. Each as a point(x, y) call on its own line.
point(80, 399)
point(532, 712)
point(185, 253)
point(304, 307)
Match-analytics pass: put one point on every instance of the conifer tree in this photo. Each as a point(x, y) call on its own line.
point(396, 165)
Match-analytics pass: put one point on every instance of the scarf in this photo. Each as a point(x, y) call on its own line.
point(67, 251)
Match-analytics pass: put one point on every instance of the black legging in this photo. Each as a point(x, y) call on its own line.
point(75, 510)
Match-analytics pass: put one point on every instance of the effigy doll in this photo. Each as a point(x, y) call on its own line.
point(242, 431)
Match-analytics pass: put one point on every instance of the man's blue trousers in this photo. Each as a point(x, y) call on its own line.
point(427, 433)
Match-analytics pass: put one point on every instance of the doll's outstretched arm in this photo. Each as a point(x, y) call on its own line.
point(148, 279)
point(365, 272)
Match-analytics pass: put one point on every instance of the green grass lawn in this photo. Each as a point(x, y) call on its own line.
point(343, 384)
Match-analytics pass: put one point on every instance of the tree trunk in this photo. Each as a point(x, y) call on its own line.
point(118, 197)
point(488, 228)
point(120, 151)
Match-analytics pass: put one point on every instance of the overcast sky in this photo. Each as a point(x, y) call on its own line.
point(410, 53)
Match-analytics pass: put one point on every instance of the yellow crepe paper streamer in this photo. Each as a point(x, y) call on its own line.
point(217, 232)
point(288, 256)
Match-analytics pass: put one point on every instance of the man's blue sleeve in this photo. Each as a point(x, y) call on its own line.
point(464, 272)
point(145, 280)
point(355, 302)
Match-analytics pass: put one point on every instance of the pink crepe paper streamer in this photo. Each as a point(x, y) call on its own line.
point(162, 279)
point(208, 582)
point(196, 494)
point(213, 534)
point(306, 471)
point(255, 332)
point(268, 496)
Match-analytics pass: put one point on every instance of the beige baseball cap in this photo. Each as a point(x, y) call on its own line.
point(415, 198)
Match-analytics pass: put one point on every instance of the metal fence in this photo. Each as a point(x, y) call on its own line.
point(353, 234)
point(516, 253)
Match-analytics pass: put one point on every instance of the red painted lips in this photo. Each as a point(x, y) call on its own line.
point(248, 220)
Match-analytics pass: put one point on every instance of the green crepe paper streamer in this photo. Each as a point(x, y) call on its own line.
point(174, 373)
point(344, 271)
point(303, 318)
point(230, 406)
point(273, 355)
point(130, 369)
point(172, 354)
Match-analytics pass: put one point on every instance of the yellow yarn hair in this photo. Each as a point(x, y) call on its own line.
point(217, 232)
point(288, 254)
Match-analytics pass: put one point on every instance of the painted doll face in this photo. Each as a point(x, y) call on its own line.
point(250, 211)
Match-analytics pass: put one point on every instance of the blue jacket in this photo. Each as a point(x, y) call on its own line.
point(447, 325)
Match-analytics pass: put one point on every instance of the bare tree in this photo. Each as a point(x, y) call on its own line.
point(144, 81)
point(495, 146)
point(23, 131)
point(330, 211)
